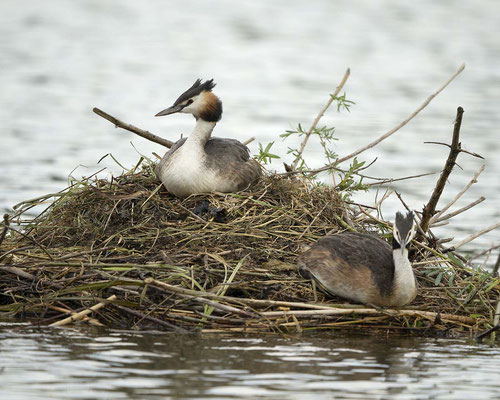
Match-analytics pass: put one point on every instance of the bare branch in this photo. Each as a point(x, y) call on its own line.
point(460, 194)
point(459, 211)
point(461, 150)
point(138, 131)
point(475, 236)
point(430, 207)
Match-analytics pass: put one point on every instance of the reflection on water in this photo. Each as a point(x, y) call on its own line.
point(90, 364)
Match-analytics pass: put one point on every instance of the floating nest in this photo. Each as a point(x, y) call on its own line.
point(139, 257)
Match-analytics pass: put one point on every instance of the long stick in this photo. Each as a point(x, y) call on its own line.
point(476, 235)
point(83, 313)
point(371, 311)
point(138, 131)
point(430, 208)
point(254, 302)
point(459, 194)
point(316, 120)
point(459, 211)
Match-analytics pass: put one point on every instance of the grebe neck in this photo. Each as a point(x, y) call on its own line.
point(201, 133)
point(404, 285)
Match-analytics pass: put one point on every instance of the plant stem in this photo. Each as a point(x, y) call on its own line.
point(319, 116)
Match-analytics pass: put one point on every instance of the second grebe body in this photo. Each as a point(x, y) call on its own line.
point(363, 267)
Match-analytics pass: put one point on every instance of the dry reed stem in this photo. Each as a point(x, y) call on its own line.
point(372, 311)
point(83, 313)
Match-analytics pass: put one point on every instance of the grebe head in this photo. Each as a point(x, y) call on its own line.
point(199, 101)
point(403, 230)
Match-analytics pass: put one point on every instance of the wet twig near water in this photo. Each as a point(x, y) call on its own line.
point(488, 332)
point(81, 314)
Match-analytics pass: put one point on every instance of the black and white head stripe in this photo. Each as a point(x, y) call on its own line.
point(404, 228)
point(195, 90)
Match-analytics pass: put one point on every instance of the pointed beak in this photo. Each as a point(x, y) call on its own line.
point(170, 110)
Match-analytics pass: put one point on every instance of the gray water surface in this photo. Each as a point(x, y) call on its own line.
point(73, 363)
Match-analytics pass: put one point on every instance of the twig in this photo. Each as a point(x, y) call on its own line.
point(138, 131)
point(459, 194)
point(488, 332)
point(372, 311)
point(249, 140)
point(383, 181)
point(459, 211)
point(152, 319)
point(482, 253)
point(83, 313)
point(18, 272)
point(254, 302)
point(495, 268)
point(389, 133)
point(475, 236)
point(317, 119)
point(430, 208)
point(33, 240)
point(5, 227)
point(461, 150)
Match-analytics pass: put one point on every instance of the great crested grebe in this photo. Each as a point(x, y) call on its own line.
point(363, 267)
point(200, 163)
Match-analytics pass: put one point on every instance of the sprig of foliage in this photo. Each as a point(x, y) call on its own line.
point(343, 102)
point(265, 156)
point(349, 182)
point(326, 135)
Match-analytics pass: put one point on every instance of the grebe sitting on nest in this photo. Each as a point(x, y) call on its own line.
point(363, 267)
point(201, 164)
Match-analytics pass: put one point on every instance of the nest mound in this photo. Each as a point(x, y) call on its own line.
point(219, 262)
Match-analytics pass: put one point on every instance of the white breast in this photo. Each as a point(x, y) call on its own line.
point(405, 287)
point(184, 172)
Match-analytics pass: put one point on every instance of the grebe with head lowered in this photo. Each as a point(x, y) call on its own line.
point(200, 163)
point(363, 267)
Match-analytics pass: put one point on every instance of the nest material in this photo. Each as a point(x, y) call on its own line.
point(220, 262)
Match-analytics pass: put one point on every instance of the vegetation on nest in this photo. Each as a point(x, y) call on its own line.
point(218, 262)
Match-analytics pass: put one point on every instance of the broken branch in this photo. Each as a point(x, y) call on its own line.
point(131, 128)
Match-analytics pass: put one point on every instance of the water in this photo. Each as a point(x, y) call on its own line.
point(275, 63)
point(86, 364)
